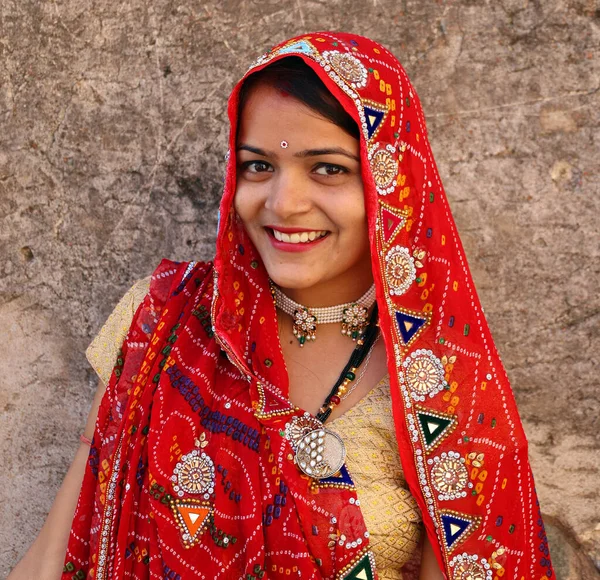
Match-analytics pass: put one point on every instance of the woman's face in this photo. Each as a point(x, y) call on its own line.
point(300, 195)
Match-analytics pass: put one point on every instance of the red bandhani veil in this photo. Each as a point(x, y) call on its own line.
point(190, 474)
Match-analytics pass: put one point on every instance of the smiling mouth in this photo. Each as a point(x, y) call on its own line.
point(302, 237)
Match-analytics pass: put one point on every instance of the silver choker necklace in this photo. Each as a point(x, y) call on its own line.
point(353, 315)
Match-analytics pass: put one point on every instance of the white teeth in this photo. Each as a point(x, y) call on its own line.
point(298, 238)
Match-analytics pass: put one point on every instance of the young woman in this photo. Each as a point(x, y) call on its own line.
point(325, 400)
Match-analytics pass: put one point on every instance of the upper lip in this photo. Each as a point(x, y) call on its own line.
point(287, 230)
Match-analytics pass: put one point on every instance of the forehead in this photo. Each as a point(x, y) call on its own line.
point(271, 113)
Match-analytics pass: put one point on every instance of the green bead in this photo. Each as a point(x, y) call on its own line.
point(350, 375)
point(466, 330)
point(254, 264)
point(511, 529)
point(493, 423)
point(489, 538)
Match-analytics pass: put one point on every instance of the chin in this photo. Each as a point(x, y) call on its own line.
point(293, 278)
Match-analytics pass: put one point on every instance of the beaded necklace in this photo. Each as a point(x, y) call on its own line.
point(352, 315)
point(348, 374)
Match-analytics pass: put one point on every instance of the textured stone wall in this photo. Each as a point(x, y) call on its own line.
point(112, 136)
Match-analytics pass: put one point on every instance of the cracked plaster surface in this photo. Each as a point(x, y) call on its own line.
point(111, 156)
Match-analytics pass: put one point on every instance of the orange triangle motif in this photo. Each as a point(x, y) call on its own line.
point(193, 517)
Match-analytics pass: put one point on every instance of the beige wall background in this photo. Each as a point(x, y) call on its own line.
point(112, 136)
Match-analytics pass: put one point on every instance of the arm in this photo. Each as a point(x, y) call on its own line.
point(45, 558)
point(430, 569)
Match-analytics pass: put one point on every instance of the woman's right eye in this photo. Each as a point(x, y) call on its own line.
point(256, 166)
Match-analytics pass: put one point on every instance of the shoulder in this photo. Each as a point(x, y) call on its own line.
point(167, 277)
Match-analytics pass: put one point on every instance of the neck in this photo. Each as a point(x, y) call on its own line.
point(332, 292)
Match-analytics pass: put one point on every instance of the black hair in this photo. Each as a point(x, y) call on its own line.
point(299, 81)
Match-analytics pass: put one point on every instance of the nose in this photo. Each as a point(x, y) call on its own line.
point(289, 195)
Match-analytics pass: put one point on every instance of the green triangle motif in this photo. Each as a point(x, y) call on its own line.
point(363, 570)
point(434, 427)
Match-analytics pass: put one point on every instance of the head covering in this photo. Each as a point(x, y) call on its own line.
point(202, 362)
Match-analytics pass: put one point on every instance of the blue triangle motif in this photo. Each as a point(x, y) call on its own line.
point(342, 476)
point(373, 117)
point(301, 46)
point(454, 528)
point(408, 325)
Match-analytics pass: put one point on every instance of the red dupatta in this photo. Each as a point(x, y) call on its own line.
point(190, 473)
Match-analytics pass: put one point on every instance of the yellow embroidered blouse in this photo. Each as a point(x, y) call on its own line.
point(391, 514)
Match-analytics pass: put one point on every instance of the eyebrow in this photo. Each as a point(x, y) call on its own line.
point(301, 154)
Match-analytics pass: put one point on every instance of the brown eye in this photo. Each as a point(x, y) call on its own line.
point(330, 170)
point(256, 166)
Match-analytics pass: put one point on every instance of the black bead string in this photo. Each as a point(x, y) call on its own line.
point(356, 358)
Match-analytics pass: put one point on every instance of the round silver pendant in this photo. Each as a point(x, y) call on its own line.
point(299, 426)
point(320, 453)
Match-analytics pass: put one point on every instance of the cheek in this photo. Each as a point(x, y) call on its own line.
point(243, 205)
point(351, 214)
